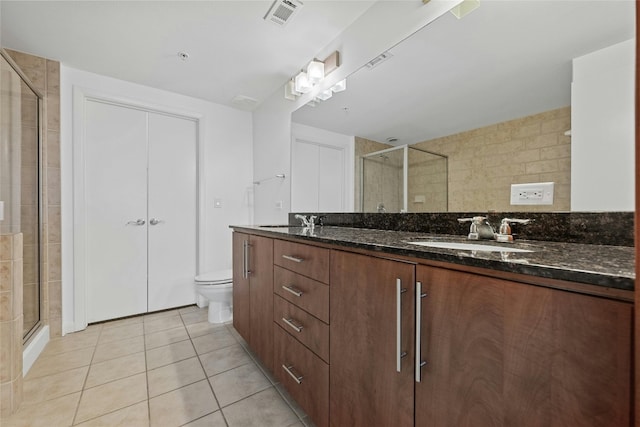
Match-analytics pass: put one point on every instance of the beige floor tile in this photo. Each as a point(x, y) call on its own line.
point(212, 420)
point(238, 383)
point(189, 309)
point(162, 323)
point(174, 376)
point(111, 396)
point(60, 362)
point(120, 333)
point(169, 336)
point(56, 412)
point(168, 354)
point(213, 341)
point(115, 369)
point(72, 342)
point(132, 416)
point(127, 321)
point(54, 386)
point(236, 335)
point(263, 409)
point(222, 360)
point(183, 405)
point(290, 401)
point(115, 349)
point(159, 314)
point(203, 328)
point(195, 316)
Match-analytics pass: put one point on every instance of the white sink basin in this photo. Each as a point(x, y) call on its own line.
point(468, 246)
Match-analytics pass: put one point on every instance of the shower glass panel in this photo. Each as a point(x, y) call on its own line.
point(20, 181)
point(404, 179)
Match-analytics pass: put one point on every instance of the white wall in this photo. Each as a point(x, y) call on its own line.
point(225, 160)
point(602, 130)
point(382, 26)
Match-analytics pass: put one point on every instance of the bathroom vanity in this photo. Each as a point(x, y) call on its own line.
point(365, 327)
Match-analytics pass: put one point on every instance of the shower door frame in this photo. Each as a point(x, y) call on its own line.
point(40, 107)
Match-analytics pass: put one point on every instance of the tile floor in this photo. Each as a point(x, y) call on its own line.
point(165, 369)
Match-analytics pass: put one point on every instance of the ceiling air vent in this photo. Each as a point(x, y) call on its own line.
point(378, 60)
point(282, 11)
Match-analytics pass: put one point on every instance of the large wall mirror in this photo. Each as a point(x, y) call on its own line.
point(491, 93)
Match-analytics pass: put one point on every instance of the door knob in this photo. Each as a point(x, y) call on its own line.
point(139, 221)
point(154, 221)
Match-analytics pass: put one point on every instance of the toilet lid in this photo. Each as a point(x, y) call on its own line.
point(219, 276)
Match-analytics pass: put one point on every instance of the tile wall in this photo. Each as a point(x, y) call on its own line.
point(10, 323)
point(484, 162)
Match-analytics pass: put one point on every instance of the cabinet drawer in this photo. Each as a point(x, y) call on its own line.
point(306, 376)
point(302, 326)
point(310, 295)
point(304, 259)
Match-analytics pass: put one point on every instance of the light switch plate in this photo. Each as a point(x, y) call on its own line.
point(534, 193)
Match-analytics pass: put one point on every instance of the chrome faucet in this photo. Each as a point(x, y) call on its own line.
point(307, 222)
point(480, 228)
point(504, 233)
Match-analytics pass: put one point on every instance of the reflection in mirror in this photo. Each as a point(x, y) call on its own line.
point(403, 179)
point(492, 92)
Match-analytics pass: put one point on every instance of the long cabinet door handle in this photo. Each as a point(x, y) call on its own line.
point(419, 362)
point(292, 290)
point(292, 258)
point(136, 222)
point(245, 259)
point(297, 328)
point(289, 370)
point(399, 353)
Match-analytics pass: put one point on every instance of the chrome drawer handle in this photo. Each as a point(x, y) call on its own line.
point(292, 290)
point(292, 258)
point(297, 328)
point(289, 371)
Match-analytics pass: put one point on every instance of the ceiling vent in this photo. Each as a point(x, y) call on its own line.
point(378, 60)
point(282, 11)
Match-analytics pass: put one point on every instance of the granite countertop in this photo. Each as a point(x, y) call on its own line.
point(602, 265)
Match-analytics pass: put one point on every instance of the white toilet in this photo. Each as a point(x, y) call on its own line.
point(217, 288)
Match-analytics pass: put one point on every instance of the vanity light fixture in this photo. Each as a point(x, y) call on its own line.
point(465, 8)
point(325, 94)
point(302, 83)
point(315, 72)
point(340, 86)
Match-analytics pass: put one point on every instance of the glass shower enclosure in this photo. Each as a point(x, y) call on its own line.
point(20, 180)
point(404, 179)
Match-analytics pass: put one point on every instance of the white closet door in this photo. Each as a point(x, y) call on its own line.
point(116, 183)
point(172, 202)
point(331, 180)
point(305, 173)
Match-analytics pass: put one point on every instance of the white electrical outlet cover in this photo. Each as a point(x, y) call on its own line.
point(534, 193)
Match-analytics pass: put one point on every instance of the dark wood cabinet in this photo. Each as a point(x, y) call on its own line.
point(253, 293)
point(363, 340)
point(462, 344)
point(366, 387)
point(502, 353)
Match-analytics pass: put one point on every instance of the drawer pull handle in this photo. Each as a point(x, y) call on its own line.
point(292, 290)
point(289, 371)
point(292, 258)
point(297, 328)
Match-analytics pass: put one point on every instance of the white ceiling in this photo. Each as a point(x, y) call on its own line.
point(233, 50)
point(506, 59)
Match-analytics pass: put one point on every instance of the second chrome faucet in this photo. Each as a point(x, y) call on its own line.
point(481, 228)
